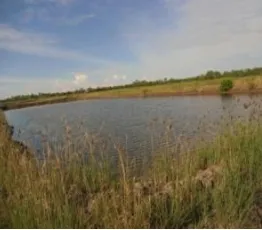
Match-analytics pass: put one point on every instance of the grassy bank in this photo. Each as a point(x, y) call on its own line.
point(243, 85)
point(215, 186)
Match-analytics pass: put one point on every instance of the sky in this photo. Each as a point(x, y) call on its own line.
point(61, 45)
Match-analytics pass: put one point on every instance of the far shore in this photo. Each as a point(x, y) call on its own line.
point(56, 100)
point(243, 85)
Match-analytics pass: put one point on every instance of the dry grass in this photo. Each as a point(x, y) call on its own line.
point(215, 186)
point(204, 87)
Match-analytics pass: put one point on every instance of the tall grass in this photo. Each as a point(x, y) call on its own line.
point(213, 186)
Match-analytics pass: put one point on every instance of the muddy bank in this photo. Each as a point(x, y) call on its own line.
point(7, 144)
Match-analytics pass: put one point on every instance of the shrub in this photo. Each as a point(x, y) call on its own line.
point(251, 85)
point(226, 85)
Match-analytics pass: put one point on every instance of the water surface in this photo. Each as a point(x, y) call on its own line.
point(136, 124)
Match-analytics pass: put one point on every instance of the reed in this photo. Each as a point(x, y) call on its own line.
point(216, 185)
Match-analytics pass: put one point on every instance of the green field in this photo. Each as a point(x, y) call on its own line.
point(243, 81)
point(244, 85)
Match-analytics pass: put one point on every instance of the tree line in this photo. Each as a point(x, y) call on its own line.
point(207, 76)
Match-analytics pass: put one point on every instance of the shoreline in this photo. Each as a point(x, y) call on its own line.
point(88, 96)
point(6, 138)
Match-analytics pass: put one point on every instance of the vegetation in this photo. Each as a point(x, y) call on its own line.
point(214, 186)
point(245, 81)
point(210, 75)
point(226, 85)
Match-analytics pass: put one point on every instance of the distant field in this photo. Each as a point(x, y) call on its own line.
point(195, 87)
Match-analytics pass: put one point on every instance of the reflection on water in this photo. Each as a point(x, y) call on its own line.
point(139, 125)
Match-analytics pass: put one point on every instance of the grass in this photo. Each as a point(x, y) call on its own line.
point(195, 87)
point(218, 185)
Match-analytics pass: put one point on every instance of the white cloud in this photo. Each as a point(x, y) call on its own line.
point(44, 45)
point(215, 34)
point(80, 79)
point(119, 77)
point(33, 43)
point(10, 84)
point(116, 77)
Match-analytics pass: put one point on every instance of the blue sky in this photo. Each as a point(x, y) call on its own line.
point(57, 45)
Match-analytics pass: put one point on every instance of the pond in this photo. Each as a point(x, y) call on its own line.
point(138, 125)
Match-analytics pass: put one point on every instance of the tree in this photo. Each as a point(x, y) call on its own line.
point(226, 85)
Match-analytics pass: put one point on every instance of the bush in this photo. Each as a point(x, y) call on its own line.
point(251, 85)
point(226, 85)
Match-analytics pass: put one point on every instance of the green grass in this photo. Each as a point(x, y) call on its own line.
point(243, 85)
point(68, 192)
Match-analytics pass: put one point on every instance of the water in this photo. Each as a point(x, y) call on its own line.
point(138, 125)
